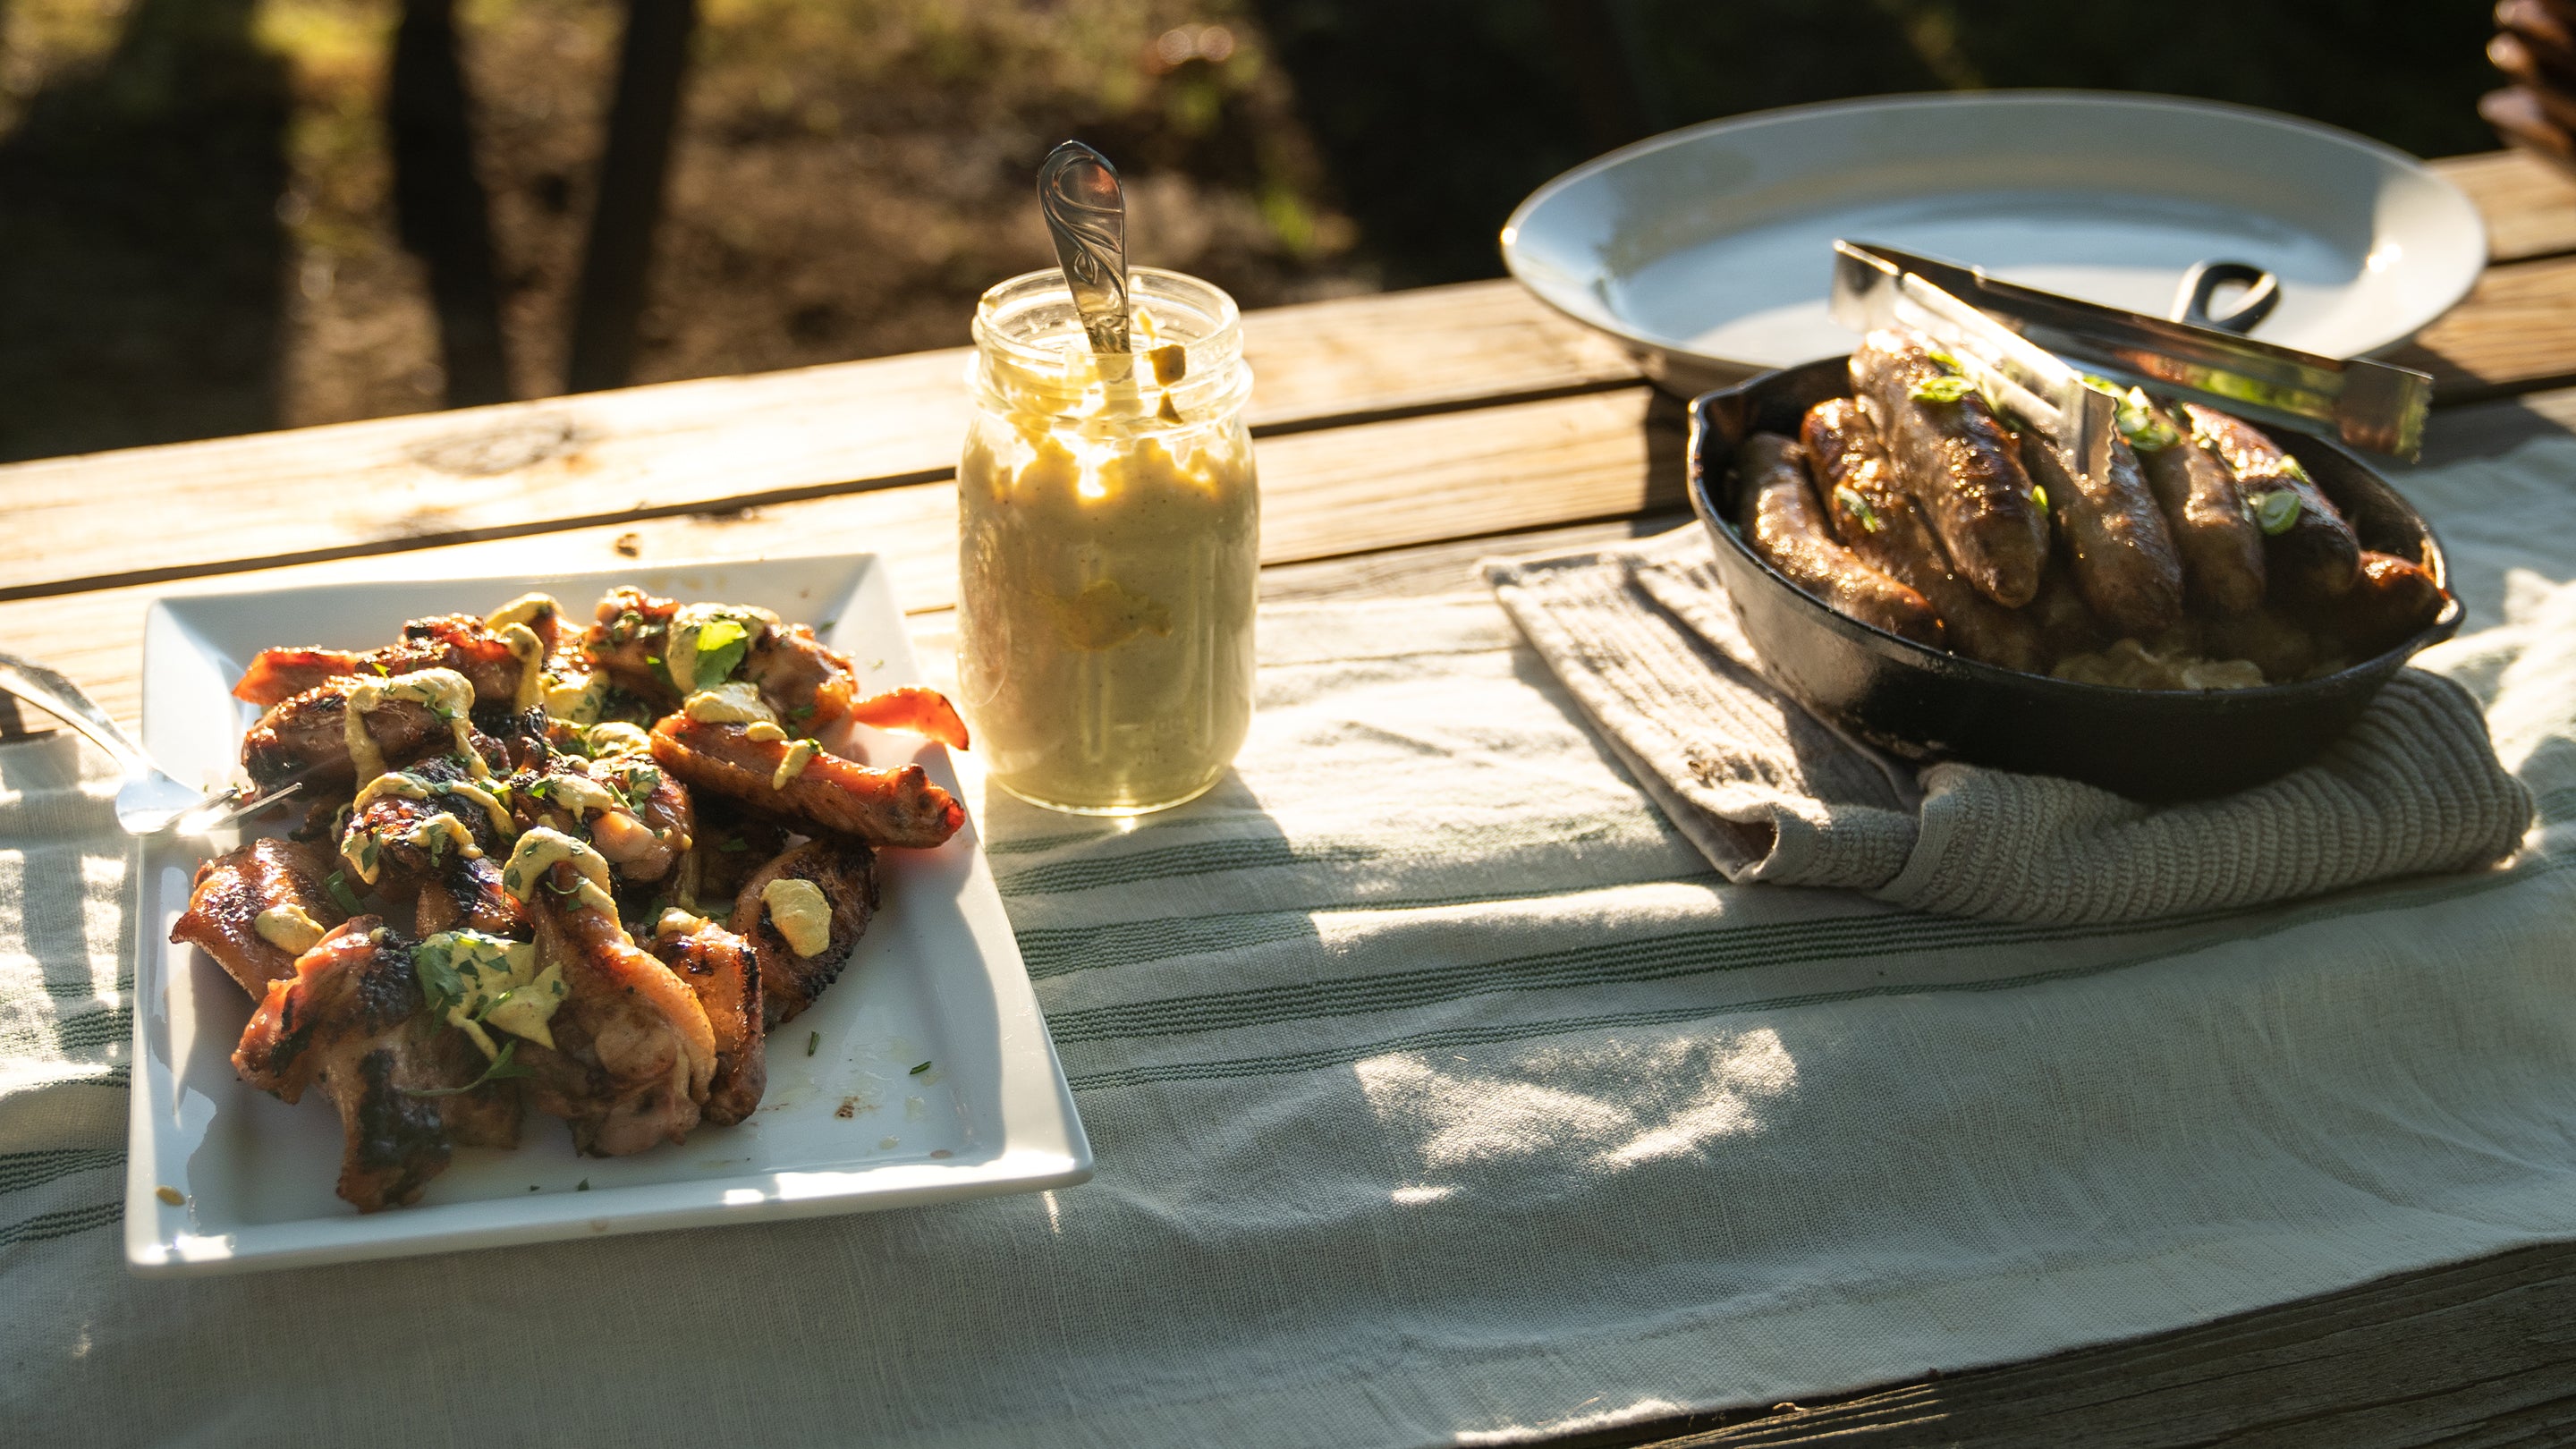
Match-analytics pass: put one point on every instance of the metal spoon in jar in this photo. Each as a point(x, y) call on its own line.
point(1086, 215)
point(150, 800)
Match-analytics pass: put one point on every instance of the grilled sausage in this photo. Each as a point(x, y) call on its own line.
point(2117, 550)
point(2390, 600)
point(2315, 556)
point(1956, 458)
point(1781, 521)
point(1879, 521)
point(2221, 549)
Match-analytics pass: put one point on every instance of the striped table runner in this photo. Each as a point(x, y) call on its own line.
point(1440, 1092)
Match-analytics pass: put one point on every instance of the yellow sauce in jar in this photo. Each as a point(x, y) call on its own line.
point(1109, 548)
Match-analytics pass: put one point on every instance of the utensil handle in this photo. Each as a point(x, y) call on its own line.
point(1086, 216)
point(59, 697)
point(2201, 284)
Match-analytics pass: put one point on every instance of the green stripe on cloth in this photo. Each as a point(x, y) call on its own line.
point(62, 1223)
point(1285, 1064)
point(22, 1170)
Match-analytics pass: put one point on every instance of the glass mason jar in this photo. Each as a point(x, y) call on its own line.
point(1109, 541)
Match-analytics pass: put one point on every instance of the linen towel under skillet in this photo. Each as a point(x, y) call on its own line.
point(1643, 637)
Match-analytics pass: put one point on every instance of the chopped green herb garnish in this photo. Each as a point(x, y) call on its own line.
point(722, 643)
point(802, 712)
point(442, 986)
point(641, 782)
point(733, 845)
point(813, 1040)
point(2145, 428)
point(1858, 507)
point(341, 896)
point(502, 1067)
point(917, 1071)
point(1943, 358)
point(1948, 389)
point(2039, 496)
point(2276, 511)
point(582, 1186)
point(2290, 468)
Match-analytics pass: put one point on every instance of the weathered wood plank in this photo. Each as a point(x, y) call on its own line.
point(2472, 1354)
point(1344, 491)
point(2529, 205)
point(396, 483)
point(2515, 333)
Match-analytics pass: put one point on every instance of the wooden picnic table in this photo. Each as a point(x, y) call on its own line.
point(1402, 437)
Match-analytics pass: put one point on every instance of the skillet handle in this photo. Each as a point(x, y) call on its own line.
point(2201, 283)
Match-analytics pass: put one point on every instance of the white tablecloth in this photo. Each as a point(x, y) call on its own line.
point(1440, 1093)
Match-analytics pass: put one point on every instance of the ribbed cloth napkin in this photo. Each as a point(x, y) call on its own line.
point(1643, 636)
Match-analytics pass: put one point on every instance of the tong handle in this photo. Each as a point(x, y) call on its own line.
point(2200, 287)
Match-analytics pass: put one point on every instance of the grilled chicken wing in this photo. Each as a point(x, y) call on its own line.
point(633, 1049)
point(352, 1021)
point(731, 843)
point(453, 641)
point(719, 966)
point(466, 894)
point(913, 710)
point(816, 897)
point(307, 737)
point(628, 807)
point(803, 679)
point(829, 794)
point(418, 819)
point(280, 879)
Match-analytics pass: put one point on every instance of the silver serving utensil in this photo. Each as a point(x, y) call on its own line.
point(2368, 404)
point(151, 800)
point(1870, 292)
point(1086, 215)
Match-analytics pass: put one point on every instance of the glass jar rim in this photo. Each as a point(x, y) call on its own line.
point(1195, 295)
point(1023, 325)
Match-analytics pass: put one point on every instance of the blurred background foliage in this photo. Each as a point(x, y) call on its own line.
point(199, 231)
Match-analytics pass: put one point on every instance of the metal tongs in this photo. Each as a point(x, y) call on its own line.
point(2015, 343)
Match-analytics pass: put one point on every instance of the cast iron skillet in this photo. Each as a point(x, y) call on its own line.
point(1923, 704)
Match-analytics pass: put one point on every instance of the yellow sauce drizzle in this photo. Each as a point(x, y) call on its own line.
point(680, 646)
point(539, 851)
point(525, 609)
point(439, 826)
point(737, 702)
point(792, 764)
point(412, 787)
point(502, 987)
point(288, 928)
point(801, 914)
point(531, 652)
point(444, 691)
point(617, 737)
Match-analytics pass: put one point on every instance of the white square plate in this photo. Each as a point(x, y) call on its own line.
point(847, 1126)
